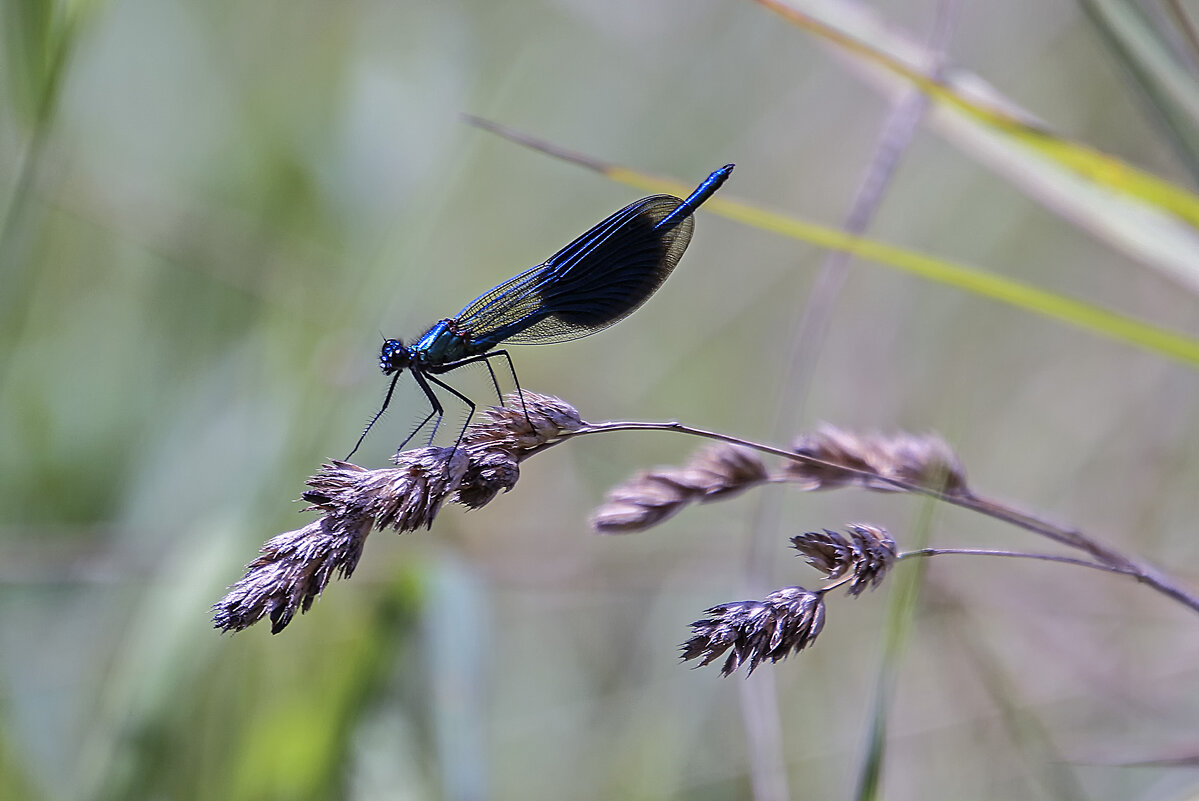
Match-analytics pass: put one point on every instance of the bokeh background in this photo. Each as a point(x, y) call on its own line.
point(213, 210)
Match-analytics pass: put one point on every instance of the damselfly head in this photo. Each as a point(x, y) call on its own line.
point(394, 357)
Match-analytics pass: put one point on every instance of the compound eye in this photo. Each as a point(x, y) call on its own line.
point(393, 357)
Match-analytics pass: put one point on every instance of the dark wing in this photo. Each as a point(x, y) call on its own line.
point(595, 281)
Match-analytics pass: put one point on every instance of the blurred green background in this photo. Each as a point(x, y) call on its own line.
point(212, 210)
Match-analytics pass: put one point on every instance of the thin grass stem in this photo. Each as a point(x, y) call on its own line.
point(963, 498)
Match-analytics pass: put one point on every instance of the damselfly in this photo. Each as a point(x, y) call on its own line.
point(595, 281)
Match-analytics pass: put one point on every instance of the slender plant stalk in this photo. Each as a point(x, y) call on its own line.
point(1104, 554)
point(1045, 557)
point(294, 567)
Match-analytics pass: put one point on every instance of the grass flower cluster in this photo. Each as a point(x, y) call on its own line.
point(295, 567)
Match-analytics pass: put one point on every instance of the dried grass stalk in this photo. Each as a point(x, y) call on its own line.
point(717, 471)
point(785, 622)
point(405, 497)
point(291, 572)
point(925, 461)
point(861, 560)
point(506, 428)
point(295, 567)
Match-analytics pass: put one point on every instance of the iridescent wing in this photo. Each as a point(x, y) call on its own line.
point(595, 281)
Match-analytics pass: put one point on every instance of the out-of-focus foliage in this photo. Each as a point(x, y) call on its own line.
point(209, 211)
